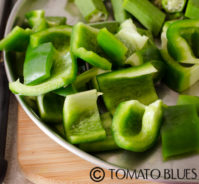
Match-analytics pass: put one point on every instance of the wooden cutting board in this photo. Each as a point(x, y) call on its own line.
point(45, 162)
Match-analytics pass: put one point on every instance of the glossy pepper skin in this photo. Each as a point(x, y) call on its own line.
point(192, 10)
point(177, 76)
point(178, 46)
point(81, 118)
point(136, 126)
point(180, 130)
point(134, 83)
point(17, 40)
point(38, 63)
point(84, 46)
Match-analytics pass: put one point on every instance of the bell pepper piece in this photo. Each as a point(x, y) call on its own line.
point(55, 21)
point(84, 46)
point(133, 83)
point(92, 11)
point(178, 46)
point(106, 144)
point(136, 126)
point(192, 10)
point(129, 35)
point(64, 73)
point(180, 130)
point(81, 118)
point(17, 40)
point(149, 15)
point(38, 63)
point(173, 6)
point(59, 36)
point(112, 46)
point(50, 108)
point(36, 20)
point(177, 77)
point(120, 14)
point(112, 26)
point(65, 91)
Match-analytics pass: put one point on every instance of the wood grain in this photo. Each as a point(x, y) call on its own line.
point(45, 162)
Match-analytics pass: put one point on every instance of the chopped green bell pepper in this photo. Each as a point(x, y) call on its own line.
point(177, 77)
point(17, 40)
point(192, 10)
point(38, 63)
point(112, 46)
point(133, 83)
point(65, 91)
point(106, 144)
point(55, 21)
point(50, 108)
point(84, 46)
point(59, 36)
point(178, 46)
point(36, 20)
point(64, 73)
point(149, 15)
point(173, 6)
point(136, 126)
point(81, 118)
point(180, 131)
point(92, 10)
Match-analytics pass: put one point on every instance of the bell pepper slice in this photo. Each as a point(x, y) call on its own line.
point(112, 26)
point(63, 73)
point(192, 10)
point(134, 83)
point(92, 11)
point(149, 15)
point(180, 130)
point(129, 35)
point(103, 145)
point(17, 40)
point(59, 36)
point(173, 6)
point(112, 46)
point(177, 76)
point(53, 21)
point(178, 46)
point(36, 20)
point(136, 126)
point(81, 118)
point(120, 14)
point(84, 46)
point(50, 108)
point(65, 91)
point(38, 63)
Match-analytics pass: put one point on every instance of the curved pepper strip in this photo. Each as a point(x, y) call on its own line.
point(178, 46)
point(64, 73)
point(177, 77)
point(136, 126)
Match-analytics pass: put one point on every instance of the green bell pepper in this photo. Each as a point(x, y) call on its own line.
point(136, 126)
point(106, 144)
point(92, 11)
point(55, 21)
point(65, 91)
point(192, 10)
point(81, 118)
point(50, 108)
point(84, 46)
point(177, 76)
point(180, 130)
point(17, 40)
point(64, 73)
point(149, 15)
point(178, 46)
point(59, 36)
point(112, 46)
point(173, 6)
point(38, 63)
point(36, 20)
point(134, 83)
